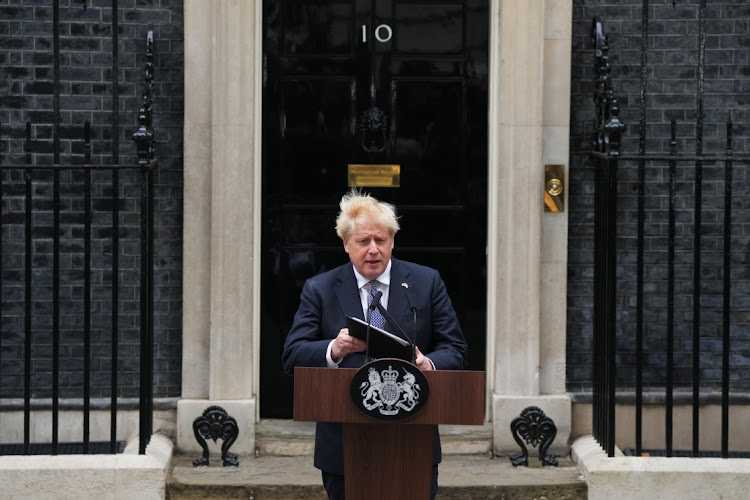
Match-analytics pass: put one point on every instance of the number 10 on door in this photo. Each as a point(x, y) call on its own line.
point(383, 33)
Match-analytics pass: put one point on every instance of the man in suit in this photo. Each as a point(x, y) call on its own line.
point(319, 336)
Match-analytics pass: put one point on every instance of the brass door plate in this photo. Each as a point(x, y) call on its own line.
point(361, 175)
point(554, 188)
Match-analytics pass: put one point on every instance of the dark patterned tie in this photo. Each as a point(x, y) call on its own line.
point(376, 319)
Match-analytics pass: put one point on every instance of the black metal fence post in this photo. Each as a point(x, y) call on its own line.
point(606, 145)
point(144, 139)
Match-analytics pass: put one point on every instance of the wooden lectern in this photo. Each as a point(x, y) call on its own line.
point(388, 459)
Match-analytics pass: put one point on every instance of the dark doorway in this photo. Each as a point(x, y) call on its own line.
point(419, 72)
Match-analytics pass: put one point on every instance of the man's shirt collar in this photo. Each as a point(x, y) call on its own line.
point(384, 278)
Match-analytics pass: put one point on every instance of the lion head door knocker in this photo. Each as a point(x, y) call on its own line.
point(373, 123)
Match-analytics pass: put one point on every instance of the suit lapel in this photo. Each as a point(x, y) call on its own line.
point(348, 294)
point(397, 305)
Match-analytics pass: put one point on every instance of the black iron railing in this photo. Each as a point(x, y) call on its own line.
point(606, 146)
point(76, 264)
point(677, 166)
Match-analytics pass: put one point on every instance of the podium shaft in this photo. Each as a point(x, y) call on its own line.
point(390, 461)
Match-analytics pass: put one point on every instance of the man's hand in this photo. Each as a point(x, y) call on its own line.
point(345, 344)
point(422, 362)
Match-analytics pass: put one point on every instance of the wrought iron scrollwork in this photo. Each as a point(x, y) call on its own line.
point(609, 128)
point(536, 429)
point(215, 423)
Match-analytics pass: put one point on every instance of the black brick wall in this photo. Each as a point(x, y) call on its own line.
point(26, 94)
point(671, 93)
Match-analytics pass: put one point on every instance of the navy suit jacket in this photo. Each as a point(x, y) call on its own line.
point(328, 298)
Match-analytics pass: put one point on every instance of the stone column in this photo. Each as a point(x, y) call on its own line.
point(222, 84)
point(558, 28)
point(526, 346)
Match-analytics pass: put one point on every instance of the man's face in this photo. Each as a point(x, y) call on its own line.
point(369, 248)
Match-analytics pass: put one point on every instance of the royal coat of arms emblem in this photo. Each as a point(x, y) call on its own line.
point(389, 389)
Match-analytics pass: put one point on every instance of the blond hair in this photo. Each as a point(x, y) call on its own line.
point(356, 205)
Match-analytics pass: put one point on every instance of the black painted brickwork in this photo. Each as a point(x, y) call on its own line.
point(671, 93)
point(26, 94)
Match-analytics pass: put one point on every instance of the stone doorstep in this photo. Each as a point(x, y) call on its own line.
point(288, 438)
point(462, 477)
point(282, 469)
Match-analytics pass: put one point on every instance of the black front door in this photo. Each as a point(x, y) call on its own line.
point(372, 82)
